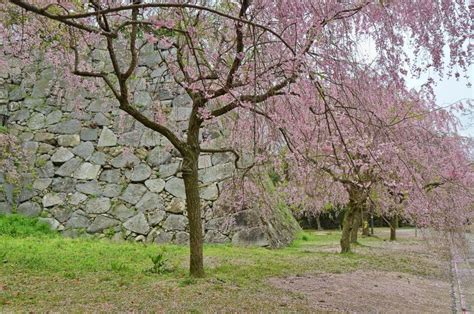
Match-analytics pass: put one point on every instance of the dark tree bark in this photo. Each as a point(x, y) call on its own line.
point(365, 224)
point(352, 216)
point(347, 224)
point(365, 221)
point(193, 206)
point(318, 223)
point(393, 228)
point(356, 221)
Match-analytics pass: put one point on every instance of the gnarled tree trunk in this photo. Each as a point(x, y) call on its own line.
point(365, 223)
point(318, 222)
point(356, 221)
point(393, 228)
point(352, 216)
point(347, 224)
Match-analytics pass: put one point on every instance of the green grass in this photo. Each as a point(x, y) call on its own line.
point(42, 271)
point(20, 226)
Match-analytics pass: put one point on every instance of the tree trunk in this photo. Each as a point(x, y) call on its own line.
point(355, 225)
point(347, 224)
point(371, 224)
point(393, 228)
point(365, 222)
point(193, 206)
point(318, 223)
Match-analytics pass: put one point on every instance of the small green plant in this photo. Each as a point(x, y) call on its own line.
point(160, 263)
point(118, 267)
point(109, 233)
point(304, 237)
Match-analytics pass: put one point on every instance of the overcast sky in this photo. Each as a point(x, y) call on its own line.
point(450, 91)
point(447, 90)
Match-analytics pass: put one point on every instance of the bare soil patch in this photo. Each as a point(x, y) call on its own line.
point(370, 291)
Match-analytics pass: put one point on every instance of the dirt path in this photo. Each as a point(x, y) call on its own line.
point(370, 292)
point(375, 291)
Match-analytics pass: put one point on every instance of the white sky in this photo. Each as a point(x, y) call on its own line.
point(447, 90)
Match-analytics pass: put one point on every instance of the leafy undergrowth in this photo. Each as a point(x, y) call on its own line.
point(43, 272)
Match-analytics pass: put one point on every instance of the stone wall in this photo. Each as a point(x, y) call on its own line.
point(97, 171)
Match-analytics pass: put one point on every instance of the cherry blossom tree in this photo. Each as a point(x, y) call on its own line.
point(250, 57)
point(391, 147)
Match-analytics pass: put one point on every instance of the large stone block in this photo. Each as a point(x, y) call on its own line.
point(78, 219)
point(137, 224)
point(29, 209)
point(169, 170)
point(125, 160)
point(99, 205)
point(111, 176)
point(130, 139)
point(89, 134)
point(53, 199)
point(67, 127)
point(87, 171)
point(54, 117)
point(213, 236)
point(37, 121)
point(101, 119)
point(112, 190)
point(181, 237)
point(53, 223)
point(254, 236)
point(102, 223)
point(107, 138)
point(90, 188)
point(122, 212)
point(216, 173)
point(150, 201)
point(41, 184)
point(140, 173)
point(175, 186)
point(158, 156)
point(69, 140)
point(155, 185)
point(84, 150)
point(150, 138)
point(210, 192)
point(63, 184)
point(61, 155)
point(133, 193)
point(77, 198)
point(175, 222)
point(154, 218)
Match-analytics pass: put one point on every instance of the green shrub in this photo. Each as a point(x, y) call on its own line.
point(21, 226)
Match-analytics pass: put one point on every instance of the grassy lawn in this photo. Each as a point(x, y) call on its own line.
point(41, 271)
